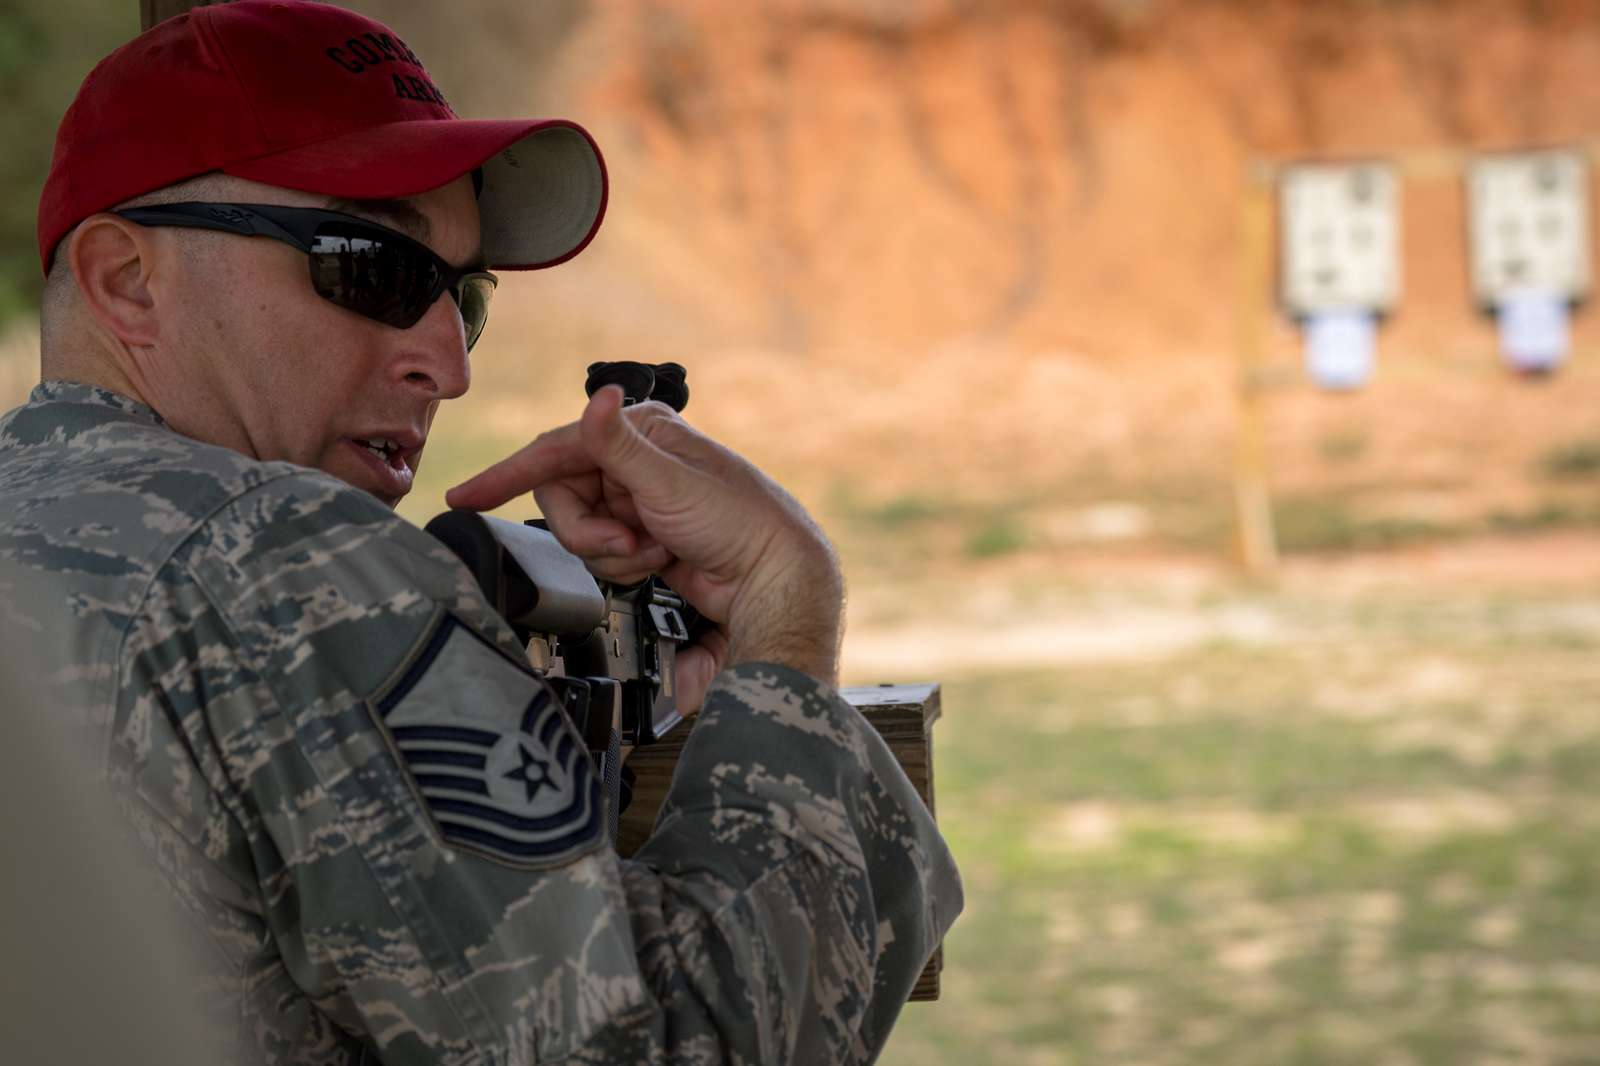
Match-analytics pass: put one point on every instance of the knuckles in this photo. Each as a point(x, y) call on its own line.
point(666, 429)
point(655, 420)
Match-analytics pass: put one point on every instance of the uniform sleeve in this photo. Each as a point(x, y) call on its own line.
point(423, 824)
point(795, 884)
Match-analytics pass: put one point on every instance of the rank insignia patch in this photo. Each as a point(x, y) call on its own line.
point(490, 753)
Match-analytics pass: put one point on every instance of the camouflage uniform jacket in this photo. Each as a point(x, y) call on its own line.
point(386, 829)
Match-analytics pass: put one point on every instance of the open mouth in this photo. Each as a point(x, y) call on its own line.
point(389, 465)
point(384, 448)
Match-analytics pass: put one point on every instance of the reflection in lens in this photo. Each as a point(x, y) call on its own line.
point(391, 281)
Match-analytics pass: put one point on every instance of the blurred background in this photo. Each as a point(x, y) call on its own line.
point(965, 276)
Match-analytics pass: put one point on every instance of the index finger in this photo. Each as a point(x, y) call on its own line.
point(557, 453)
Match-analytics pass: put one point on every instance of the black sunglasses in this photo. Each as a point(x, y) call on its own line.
point(355, 264)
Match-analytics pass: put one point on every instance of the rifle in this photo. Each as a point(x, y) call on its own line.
point(609, 651)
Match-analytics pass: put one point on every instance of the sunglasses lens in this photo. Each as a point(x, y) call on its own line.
point(474, 293)
point(360, 270)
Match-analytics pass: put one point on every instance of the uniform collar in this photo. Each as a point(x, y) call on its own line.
point(59, 391)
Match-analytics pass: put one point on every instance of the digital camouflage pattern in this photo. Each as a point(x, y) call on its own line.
point(246, 643)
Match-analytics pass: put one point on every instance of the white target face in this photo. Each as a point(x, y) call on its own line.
point(1339, 238)
point(1528, 216)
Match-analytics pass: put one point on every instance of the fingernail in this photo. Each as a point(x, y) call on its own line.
point(618, 546)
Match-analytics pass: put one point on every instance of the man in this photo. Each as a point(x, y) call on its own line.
point(383, 823)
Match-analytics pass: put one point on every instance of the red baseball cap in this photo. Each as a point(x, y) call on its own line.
point(310, 96)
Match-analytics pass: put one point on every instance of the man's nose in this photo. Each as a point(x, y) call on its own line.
point(435, 352)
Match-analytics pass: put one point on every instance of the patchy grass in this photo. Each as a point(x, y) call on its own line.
point(1371, 845)
point(1330, 523)
point(1574, 460)
point(913, 532)
point(903, 511)
point(1546, 515)
point(1000, 534)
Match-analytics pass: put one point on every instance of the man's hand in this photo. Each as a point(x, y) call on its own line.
point(635, 491)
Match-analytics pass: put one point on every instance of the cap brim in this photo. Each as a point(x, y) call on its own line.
point(544, 182)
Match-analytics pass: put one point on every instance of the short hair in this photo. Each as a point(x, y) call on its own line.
point(58, 286)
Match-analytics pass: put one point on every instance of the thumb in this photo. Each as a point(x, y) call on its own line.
point(617, 447)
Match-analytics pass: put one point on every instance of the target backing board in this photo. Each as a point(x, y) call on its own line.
point(1528, 220)
point(1339, 238)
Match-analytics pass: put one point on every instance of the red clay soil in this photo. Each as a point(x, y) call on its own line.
point(940, 242)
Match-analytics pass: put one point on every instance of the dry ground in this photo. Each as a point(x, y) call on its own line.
point(1344, 818)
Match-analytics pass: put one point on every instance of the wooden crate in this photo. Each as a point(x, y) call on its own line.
point(902, 714)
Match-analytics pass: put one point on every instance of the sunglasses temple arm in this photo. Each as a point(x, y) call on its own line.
point(246, 225)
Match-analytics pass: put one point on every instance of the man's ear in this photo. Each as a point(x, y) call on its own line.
point(113, 261)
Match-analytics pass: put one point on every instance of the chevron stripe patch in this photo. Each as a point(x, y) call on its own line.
point(490, 753)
